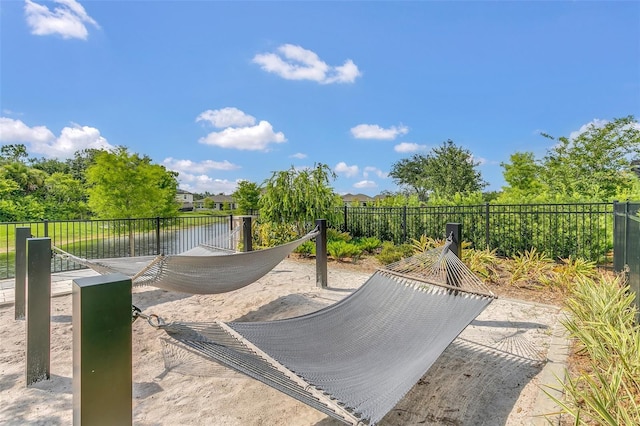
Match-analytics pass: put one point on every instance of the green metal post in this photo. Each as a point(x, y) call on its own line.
point(38, 366)
point(21, 272)
point(102, 348)
point(321, 254)
point(246, 234)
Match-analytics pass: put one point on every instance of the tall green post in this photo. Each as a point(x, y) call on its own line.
point(321, 254)
point(20, 289)
point(38, 365)
point(102, 349)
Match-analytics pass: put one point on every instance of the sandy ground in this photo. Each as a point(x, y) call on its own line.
point(491, 375)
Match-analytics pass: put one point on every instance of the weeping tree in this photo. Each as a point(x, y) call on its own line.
point(299, 197)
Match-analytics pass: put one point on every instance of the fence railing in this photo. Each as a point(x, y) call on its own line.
point(560, 230)
point(626, 248)
point(99, 239)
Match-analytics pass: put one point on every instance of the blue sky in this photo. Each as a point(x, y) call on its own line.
point(228, 91)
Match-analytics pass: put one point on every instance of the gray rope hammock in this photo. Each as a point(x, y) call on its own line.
point(201, 270)
point(356, 359)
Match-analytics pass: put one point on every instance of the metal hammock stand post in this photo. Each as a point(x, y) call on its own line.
point(356, 359)
point(201, 270)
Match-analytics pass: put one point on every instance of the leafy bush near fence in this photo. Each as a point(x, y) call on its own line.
point(603, 321)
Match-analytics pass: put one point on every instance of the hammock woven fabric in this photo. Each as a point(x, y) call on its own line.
point(356, 359)
point(201, 270)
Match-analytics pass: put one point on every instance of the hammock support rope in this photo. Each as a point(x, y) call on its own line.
point(356, 359)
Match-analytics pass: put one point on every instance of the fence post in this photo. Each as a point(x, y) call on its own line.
point(46, 228)
point(321, 254)
point(21, 271)
point(345, 228)
point(38, 366)
point(158, 245)
point(487, 236)
point(626, 235)
point(404, 224)
point(246, 234)
point(102, 349)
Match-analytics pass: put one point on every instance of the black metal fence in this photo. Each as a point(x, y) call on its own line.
point(560, 230)
point(626, 248)
point(97, 239)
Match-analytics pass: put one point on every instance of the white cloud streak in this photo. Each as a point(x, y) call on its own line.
point(240, 131)
point(348, 171)
point(203, 183)
point(293, 62)
point(364, 184)
point(405, 147)
point(226, 117)
point(374, 170)
point(183, 166)
point(299, 156)
point(41, 140)
point(373, 131)
point(67, 20)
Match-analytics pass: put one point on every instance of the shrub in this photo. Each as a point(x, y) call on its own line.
point(392, 253)
point(425, 243)
point(308, 248)
point(530, 266)
point(603, 320)
point(481, 262)
point(368, 244)
point(335, 235)
point(341, 249)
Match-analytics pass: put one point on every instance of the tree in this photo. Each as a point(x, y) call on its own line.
point(523, 177)
point(300, 197)
point(596, 164)
point(65, 197)
point(123, 185)
point(247, 196)
point(448, 170)
point(13, 153)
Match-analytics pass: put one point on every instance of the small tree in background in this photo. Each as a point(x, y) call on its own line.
point(247, 196)
point(300, 197)
point(127, 185)
point(448, 170)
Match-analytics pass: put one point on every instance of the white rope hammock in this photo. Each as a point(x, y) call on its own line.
point(356, 359)
point(201, 270)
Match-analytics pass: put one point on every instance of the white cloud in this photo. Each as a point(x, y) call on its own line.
point(597, 123)
point(480, 160)
point(68, 19)
point(15, 131)
point(41, 140)
point(254, 138)
point(348, 171)
point(409, 147)
point(365, 184)
point(373, 131)
point(299, 156)
point(197, 167)
point(293, 62)
point(227, 117)
point(374, 170)
point(203, 183)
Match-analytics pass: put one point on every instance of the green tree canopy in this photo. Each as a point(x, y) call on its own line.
point(597, 163)
point(300, 197)
point(247, 196)
point(121, 184)
point(447, 170)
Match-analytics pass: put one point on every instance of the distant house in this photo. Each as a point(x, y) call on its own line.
point(219, 202)
point(185, 199)
point(360, 200)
